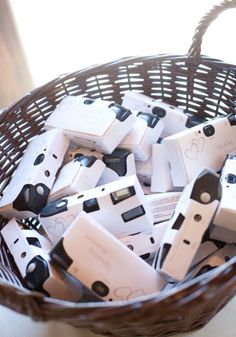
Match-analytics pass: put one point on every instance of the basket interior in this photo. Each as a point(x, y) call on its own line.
point(205, 90)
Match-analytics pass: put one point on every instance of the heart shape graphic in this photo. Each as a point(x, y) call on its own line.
point(200, 143)
point(197, 146)
point(126, 293)
point(192, 153)
point(57, 229)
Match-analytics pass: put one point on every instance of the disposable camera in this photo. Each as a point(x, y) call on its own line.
point(203, 146)
point(144, 171)
point(224, 226)
point(156, 170)
point(145, 132)
point(213, 261)
point(120, 163)
point(162, 205)
point(74, 151)
point(95, 124)
point(146, 243)
point(161, 180)
point(119, 206)
point(191, 219)
point(30, 252)
point(79, 175)
point(102, 263)
point(174, 119)
point(206, 249)
point(30, 185)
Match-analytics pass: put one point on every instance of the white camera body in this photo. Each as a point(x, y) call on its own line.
point(78, 175)
point(162, 205)
point(156, 170)
point(146, 243)
point(146, 187)
point(145, 132)
point(224, 227)
point(161, 180)
point(203, 146)
point(120, 163)
point(222, 233)
point(119, 206)
point(102, 263)
point(30, 252)
point(191, 219)
point(173, 118)
point(31, 183)
point(144, 170)
point(213, 261)
point(74, 151)
point(95, 124)
point(205, 249)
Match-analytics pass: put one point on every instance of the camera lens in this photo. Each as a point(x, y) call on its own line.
point(208, 130)
point(100, 288)
point(160, 112)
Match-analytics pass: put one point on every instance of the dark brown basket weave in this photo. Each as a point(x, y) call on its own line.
point(201, 85)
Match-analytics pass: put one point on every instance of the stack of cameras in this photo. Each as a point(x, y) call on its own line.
point(118, 201)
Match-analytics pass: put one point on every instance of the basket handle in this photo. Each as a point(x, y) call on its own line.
point(207, 19)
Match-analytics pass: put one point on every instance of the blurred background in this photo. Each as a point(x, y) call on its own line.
point(41, 39)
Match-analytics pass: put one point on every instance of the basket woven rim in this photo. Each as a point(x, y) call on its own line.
point(196, 285)
point(26, 99)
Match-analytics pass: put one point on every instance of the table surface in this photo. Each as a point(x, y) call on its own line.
point(16, 325)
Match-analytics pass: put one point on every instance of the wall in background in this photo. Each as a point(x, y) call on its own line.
point(67, 35)
point(15, 79)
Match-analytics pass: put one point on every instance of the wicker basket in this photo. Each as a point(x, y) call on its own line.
point(201, 85)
